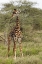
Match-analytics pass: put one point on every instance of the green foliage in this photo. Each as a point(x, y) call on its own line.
point(30, 18)
point(36, 24)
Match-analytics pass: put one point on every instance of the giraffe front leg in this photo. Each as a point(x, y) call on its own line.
point(21, 49)
point(14, 50)
point(20, 45)
point(14, 47)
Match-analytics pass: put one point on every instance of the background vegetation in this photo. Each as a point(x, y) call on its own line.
point(31, 23)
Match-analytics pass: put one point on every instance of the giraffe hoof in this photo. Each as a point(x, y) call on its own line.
point(14, 58)
point(22, 54)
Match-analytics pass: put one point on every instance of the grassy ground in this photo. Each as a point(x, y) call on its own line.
point(32, 54)
point(32, 51)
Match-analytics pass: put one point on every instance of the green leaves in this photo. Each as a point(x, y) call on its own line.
point(29, 17)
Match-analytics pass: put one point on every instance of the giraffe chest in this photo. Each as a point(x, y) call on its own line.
point(17, 32)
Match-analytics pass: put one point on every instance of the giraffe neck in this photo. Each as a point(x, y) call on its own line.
point(17, 23)
point(17, 30)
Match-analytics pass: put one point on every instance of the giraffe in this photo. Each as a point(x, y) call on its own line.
point(16, 35)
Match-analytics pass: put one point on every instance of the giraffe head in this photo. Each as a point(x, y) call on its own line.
point(14, 11)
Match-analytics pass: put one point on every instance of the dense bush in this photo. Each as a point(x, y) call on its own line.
point(30, 18)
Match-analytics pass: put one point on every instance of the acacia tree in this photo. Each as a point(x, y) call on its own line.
point(27, 16)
